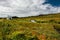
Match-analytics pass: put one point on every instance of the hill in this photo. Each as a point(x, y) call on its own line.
point(45, 27)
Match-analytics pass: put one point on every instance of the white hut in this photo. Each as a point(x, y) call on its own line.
point(9, 17)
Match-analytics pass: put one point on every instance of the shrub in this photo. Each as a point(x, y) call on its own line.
point(38, 21)
point(42, 21)
point(34, 38)
point(58, 22)
point(57, 28)
point(53, 21)
point(19, 37)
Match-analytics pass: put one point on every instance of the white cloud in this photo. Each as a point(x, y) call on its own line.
point(22, 8)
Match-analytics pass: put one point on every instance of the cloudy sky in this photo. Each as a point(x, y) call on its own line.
point(24, 8)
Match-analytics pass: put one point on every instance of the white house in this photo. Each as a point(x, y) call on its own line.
point(9, 17)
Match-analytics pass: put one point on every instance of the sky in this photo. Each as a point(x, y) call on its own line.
point(53, 2)
point(25, 8)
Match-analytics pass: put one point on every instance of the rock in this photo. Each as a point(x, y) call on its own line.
point(33, 21)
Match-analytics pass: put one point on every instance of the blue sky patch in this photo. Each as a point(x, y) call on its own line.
point(53, 2)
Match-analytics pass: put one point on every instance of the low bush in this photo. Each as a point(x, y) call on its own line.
point(57, 28)
point(52, 21)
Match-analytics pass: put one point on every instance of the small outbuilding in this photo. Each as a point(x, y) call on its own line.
point(9, 17)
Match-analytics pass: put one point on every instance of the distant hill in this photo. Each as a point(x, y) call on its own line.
point(45, 27)
point(15, 17)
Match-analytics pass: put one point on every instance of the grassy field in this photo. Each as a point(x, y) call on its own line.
point(46, 27)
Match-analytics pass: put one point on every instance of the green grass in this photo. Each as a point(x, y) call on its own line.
point(24, 29)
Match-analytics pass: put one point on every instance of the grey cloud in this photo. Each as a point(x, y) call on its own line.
point(24, 8)
point(4, 3)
